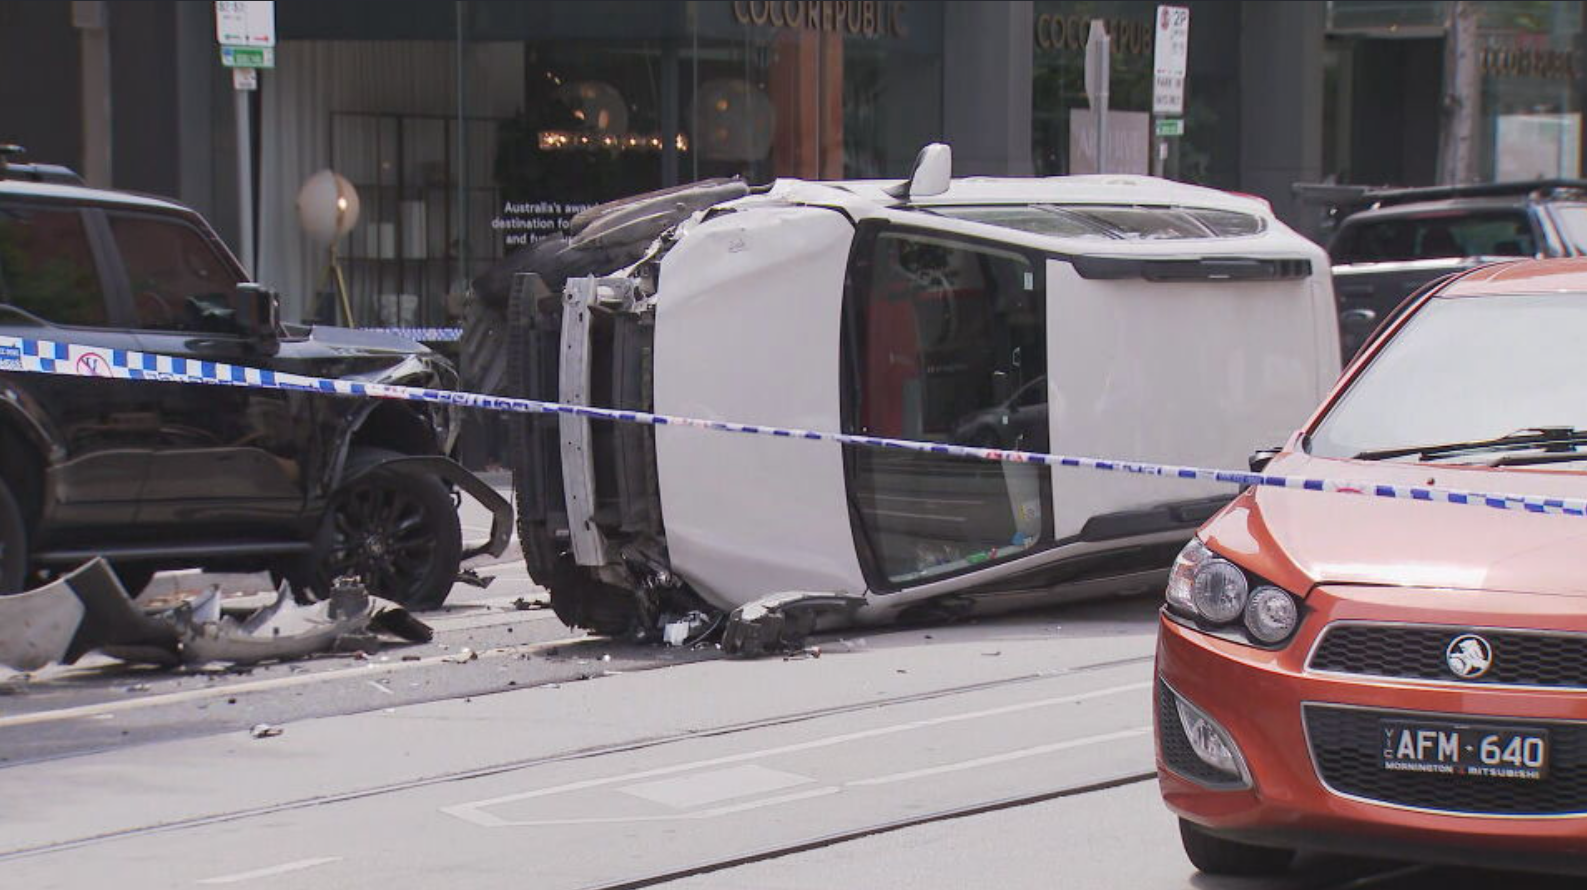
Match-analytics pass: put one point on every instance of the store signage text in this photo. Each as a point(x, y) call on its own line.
point(861, 18)
point(1059, 32)
point(525, 222)
point(1552, 64)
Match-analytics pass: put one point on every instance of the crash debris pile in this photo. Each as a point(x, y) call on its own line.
point(89, 610)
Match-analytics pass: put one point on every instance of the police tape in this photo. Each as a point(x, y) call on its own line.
point(75, 360)
point(422, 335)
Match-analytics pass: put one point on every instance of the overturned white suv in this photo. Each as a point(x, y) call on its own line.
point(1109, 316)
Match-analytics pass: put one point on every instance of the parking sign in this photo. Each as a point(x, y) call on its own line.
point(245, 22)
point(1168, 60)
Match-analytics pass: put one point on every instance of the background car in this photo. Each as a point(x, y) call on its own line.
point(1389, 242)
point(157, 474)
point(1399, 678)
point(889, 309)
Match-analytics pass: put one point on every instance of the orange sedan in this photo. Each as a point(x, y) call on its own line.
point(1396, 678)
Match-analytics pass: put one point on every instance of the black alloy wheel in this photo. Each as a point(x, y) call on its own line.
point(396, 529)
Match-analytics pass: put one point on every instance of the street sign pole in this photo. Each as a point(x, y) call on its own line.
point(246, 32)
point(1099, 69)
point(245, 177)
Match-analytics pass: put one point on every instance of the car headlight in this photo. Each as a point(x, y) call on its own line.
point(1271, 614)
point(1223, 598)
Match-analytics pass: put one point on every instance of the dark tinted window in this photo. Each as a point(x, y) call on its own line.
point(179, 282)
point(1504, 233)
point(938, 336)
point(1108, 222)
point(46, 266)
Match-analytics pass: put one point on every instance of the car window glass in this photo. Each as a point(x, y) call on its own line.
point(1026, 219)
point(1455, 373)
point(1439, 236)
point(1572, 220)
point(1107, 222)
point(47, 267)
point(178, 281)
point(938, 334)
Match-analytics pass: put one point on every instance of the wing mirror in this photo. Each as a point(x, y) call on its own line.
point(258, 316)
point(1262, 457)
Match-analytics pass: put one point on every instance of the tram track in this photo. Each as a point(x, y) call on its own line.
point(594, 752)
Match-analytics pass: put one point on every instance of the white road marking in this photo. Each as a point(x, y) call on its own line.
point(1006, 757)
point(474, 811)
point(368, 669)
point(284, 868)
point(700, 789)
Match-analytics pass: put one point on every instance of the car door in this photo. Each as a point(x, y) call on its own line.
point(53, 285)
point(934, 327)
point(225, 457)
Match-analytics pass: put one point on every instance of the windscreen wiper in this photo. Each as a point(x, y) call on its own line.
point(1550, 438)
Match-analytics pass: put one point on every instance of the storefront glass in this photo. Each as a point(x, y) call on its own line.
point(1207, 153)
point(472, 129)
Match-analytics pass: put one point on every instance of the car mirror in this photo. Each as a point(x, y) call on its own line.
point(1262, 457)
point(258, 316)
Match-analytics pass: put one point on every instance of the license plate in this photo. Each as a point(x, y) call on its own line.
point(1499, 752)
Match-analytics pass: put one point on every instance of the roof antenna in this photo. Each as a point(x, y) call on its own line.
point(932, 173)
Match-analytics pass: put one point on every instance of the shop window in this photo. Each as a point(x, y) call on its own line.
point(944, 342)
point(178, 281)
point(47, 268)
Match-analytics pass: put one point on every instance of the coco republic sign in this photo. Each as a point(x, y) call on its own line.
point(859, 18)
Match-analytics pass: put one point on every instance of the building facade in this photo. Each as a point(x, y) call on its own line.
point(470, 129)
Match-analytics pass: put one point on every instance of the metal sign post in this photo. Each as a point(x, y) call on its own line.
point(246, 32)
point(1099, 69)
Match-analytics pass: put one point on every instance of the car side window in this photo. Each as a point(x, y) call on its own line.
point(47, 267)
point(938, 333)
point(178, 281)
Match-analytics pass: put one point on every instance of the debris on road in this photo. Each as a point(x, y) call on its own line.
point(265, 731)
point(781, 622)
point(462, 656)
point(524, 604)
point(88, 609)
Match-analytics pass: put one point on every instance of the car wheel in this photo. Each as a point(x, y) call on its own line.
point(1217, 856)
point(13, 544)
point(397, 529)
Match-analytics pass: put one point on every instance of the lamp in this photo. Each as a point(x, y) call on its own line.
point(328, 210)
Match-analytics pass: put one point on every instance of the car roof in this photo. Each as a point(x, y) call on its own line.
point(77, 194)
point(1112, 189)
point(1448, 206)
point(1562, 275)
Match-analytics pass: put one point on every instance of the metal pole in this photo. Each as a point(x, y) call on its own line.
point(1098, 71)
point(245, 180)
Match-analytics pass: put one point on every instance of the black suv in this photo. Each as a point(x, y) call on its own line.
point(155, 475)
point(1390, 242)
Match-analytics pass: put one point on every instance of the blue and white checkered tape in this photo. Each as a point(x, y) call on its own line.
point(49, 357)
point(423, 335)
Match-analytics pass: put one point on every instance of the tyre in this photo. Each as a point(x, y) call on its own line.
point(13, 544)
point(397, 529)
point(1216, 856)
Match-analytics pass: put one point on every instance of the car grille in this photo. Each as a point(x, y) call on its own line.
point(1177, 753)
point(1347, 743)
point(1415, 652)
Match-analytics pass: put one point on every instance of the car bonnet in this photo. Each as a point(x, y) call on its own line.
point(1299, 538)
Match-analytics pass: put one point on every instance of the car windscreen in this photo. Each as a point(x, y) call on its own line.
point(1466, 369)
point(1435, 236)
point(1112, 222)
